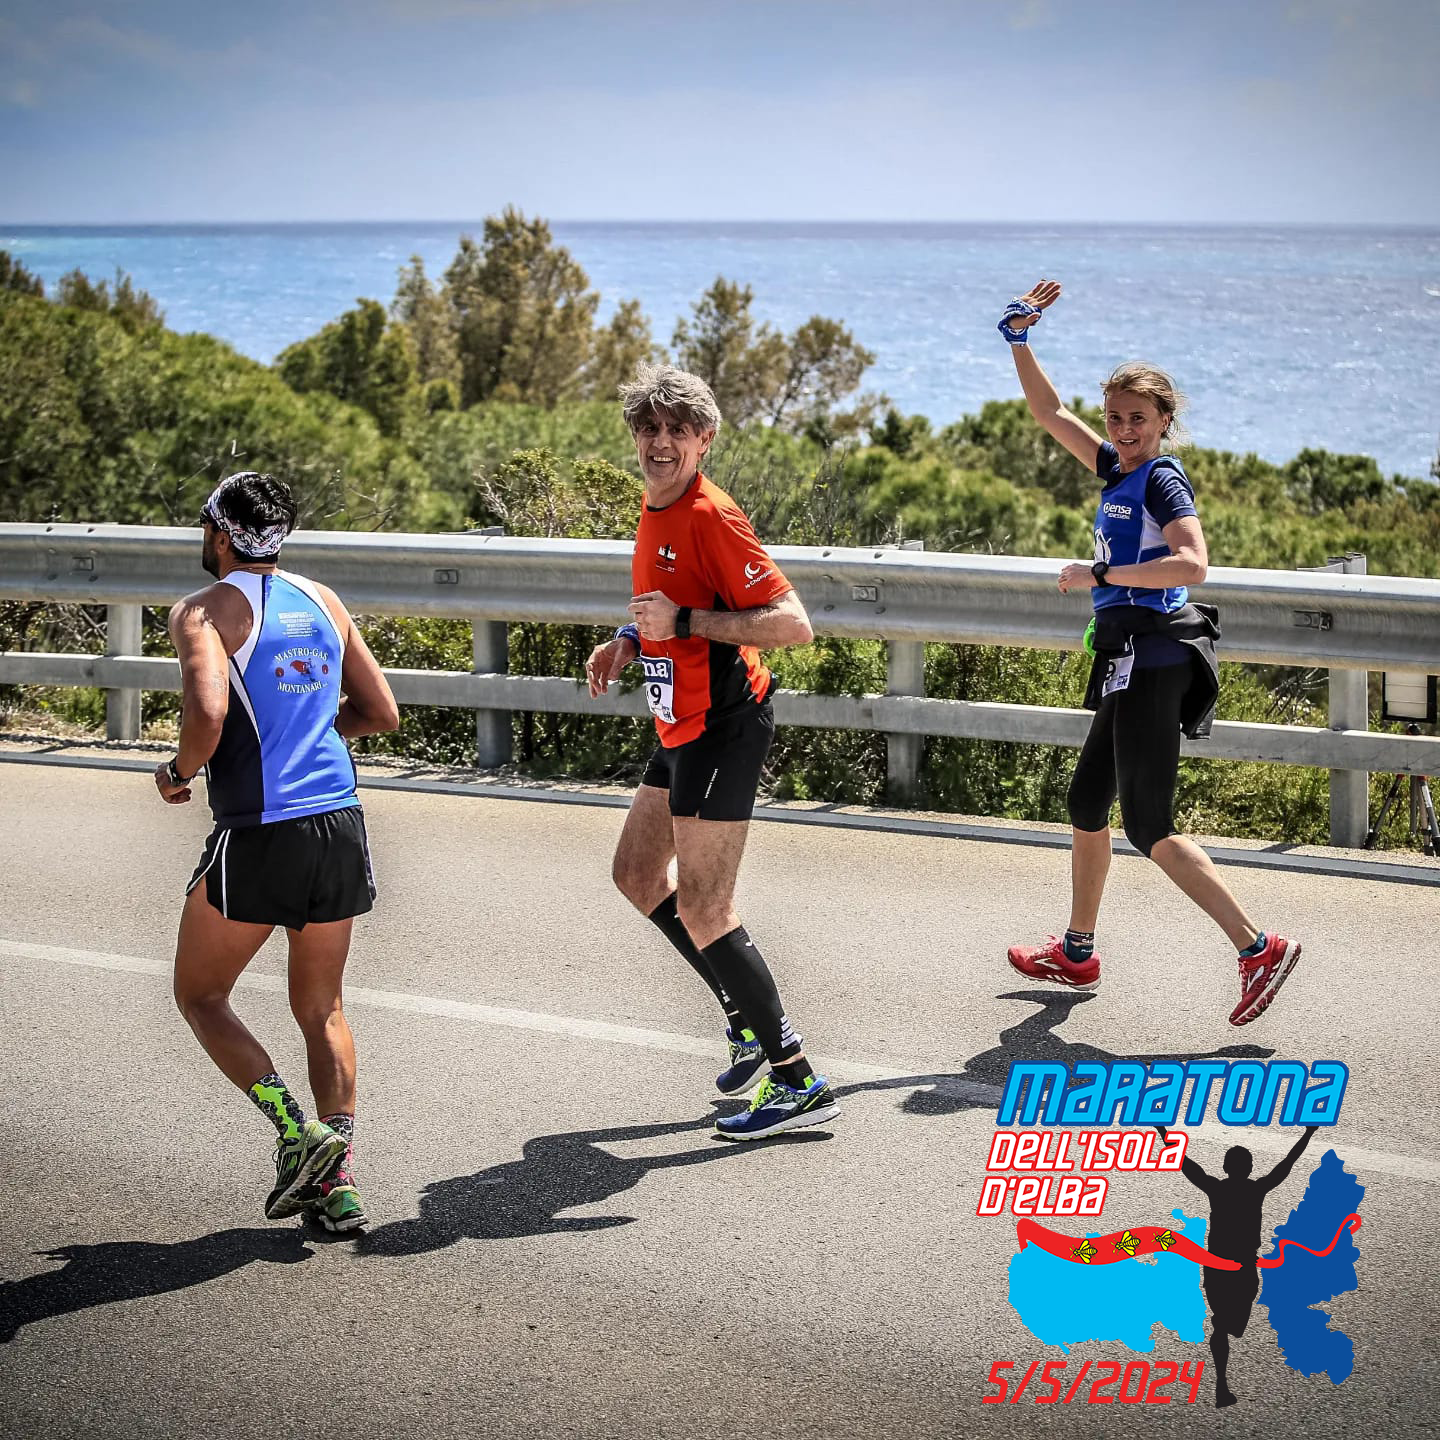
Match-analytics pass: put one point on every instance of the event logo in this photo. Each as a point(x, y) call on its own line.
point(1192, 1274)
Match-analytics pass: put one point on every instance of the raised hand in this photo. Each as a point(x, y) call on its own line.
point(1041, 297)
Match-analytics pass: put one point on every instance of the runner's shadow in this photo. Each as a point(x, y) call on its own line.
point(129, 1270)
point(1033, 1038)
point(555, 1173)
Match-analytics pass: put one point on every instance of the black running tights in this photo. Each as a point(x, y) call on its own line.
point(1133, 748)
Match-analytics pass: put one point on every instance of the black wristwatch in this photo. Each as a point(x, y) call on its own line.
point(682, 623)
point(173, 775)
point(1100, 569)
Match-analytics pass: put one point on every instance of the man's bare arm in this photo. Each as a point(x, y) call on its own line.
point(368, 705)
point(766, 627)
point(204, 682)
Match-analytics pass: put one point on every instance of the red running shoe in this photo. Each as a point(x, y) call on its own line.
point(1262, 975)
point(1049, 964)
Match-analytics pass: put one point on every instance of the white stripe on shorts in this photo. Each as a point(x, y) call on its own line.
point(220, 840)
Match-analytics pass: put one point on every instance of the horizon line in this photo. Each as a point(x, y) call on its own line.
point(782, 220)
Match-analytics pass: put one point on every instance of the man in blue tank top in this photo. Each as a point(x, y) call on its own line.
point(275, 678)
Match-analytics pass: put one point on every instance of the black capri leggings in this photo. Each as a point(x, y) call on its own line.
point(1133, 747)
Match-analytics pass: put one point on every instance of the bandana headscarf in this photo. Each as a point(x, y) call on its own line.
point(256, 544)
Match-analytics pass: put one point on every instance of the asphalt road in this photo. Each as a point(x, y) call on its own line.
point(559, 1248)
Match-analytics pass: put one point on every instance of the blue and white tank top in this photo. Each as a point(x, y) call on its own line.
point(280, 755)
point(1130, 522)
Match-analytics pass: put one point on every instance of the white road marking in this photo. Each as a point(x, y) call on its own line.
point(1276, 1142)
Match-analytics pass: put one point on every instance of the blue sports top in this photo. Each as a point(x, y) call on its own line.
point(1129, 524)
point(280, 755)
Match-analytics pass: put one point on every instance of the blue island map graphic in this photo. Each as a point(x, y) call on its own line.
point(1062, 1304)
point(1065, 1304)
point(1305, 1336)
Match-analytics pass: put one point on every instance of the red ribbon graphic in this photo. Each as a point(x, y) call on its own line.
point(1350, 1222)
point(1152, 1240)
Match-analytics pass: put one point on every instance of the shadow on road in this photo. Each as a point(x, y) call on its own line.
point(529, 1196)
point(555, 1173)
point(560, 1172)
point(1033, 1038)
point(129, 1270)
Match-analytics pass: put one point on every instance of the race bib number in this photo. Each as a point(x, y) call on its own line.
point(660, 686)
point(1117, 677)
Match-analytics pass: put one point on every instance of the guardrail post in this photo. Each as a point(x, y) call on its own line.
point(492, 727)
point(904, 675)
point(122, 707)
point(1349, 710)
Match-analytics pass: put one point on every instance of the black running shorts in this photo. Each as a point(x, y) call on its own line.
point(715, 776)
point(291, 872)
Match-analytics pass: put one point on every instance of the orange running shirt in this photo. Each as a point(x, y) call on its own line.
point(700, 551)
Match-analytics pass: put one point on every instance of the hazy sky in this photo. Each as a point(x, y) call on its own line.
point(1213, 110)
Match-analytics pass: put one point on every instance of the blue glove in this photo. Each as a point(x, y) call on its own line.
point(1014, 308)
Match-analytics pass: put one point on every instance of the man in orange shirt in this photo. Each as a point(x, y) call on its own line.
point(707, 600)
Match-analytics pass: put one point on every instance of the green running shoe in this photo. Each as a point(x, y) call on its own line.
point(339, 1210)
point(306, 1160)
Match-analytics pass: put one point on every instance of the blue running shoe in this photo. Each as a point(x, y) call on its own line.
point(747, 1060)
point(777, 1107)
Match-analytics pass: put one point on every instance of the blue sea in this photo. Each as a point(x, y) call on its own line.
point(1283, 337)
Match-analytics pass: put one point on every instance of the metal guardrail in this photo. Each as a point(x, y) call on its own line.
point(1343, 622)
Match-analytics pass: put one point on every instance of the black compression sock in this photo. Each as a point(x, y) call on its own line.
point(666, 918)
point(740, 968)
point(794, 1073)
point(1079, 945)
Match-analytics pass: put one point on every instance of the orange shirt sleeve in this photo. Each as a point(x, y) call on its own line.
point(736, 563)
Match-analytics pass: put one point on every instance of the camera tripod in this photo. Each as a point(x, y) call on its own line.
point(1423, 824)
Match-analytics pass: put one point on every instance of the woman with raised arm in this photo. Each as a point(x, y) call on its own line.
point(1155, 674)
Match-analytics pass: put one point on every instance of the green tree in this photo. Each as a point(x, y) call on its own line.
point(823, 367)
point(522, 311)
point(529, 494)
point(135, 309)
point(1319, 481)
point(798, 382)
point(617, 349)
point(359, 358)
point(14, 276)
point(422, 310)
point(901, 434)
point(1004, 439)
point(101, 424)
point(743, 362)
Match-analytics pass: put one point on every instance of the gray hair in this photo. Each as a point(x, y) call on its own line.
point(676, 392)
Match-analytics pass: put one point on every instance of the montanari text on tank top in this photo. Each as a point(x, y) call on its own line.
point(280, 755)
